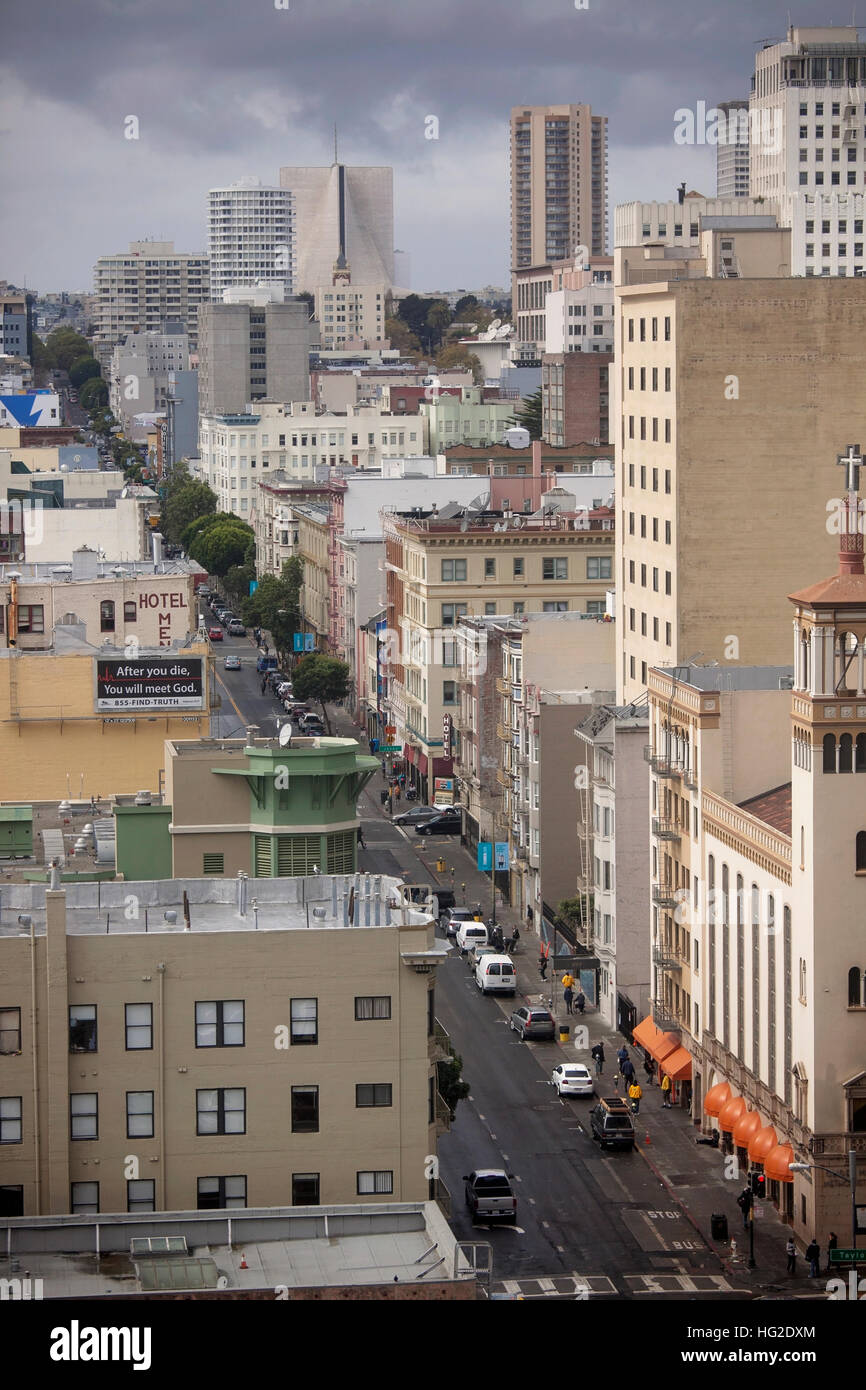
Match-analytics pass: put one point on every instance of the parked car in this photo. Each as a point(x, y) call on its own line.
point(530, 1021)
point(416, 814)
point(232, 663)
point(266, 663)
point(226, 617)
point(236, 628)
point(309, 717)
point(458, 915)
point(495, 974)
point(445, 823)
point(471, 934)
point(611, 1123)
point(572, 1079)
point(215, 634)
point(477, 952)
point(489, 1195)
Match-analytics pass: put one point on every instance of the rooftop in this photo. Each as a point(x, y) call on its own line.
point(772, 807)
point(721, 678)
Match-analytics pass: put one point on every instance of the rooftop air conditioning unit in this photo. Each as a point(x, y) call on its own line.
point(144, 798)
point(786, 682)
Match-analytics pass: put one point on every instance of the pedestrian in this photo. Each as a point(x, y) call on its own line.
point(542, 964)
point(832, 1244)
point(264, 685)
point(791, 1252)
point(813, 1255)
point(649, 1067)
point(634, 1094)
point(568, 996)
point(580, 1001)
point(266, 647)
point(622, 1057)
point(397, 792)
point(384, 769)
point(628, 1071)
point(666, 1092)
point(744, 1202)
point(361, 837)
point(598, 1054)
point(616, 1076)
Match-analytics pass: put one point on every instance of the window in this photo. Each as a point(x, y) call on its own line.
point(375, 1182)
point(860, 852)
point(643, 525)
point(451, 612)
point(305, 1109)
point(517, 568)
point(130, 612)
point(139, 1026)
point(369, 1006)
point(31, 617)
point(489, 609)
point(598, 567)
point(84, 1115)
point(106, 616)
point(453, 571)
point(84, 1198)
point(846, 753)
point(216, 1194)
point(139, 1114)
point(518, 607)
point(667, 581)
point(555, 606)
point(10, 1119)
point(213, 863)
point(82, 1028)
point(449, 692)
point(667, 634)
point(829, 753)
point(668, 326)
point(554, 568)
point(489, 569)
point(304, 1022)
point(141, 1194)
point(10, 1032)
point(221, 1110)
point(856, 984)
point(372, 1094)
point(219, 1023)
point(305, 1189)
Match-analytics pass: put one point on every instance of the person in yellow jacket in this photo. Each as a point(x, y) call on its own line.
point(666, 1092)
point(634, 1094)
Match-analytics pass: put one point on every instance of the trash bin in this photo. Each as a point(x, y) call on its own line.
point(564, 1032)
point(440, 866)
point(719, 1226)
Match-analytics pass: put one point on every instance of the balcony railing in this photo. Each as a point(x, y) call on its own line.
point(666, 958)
point(665, 1018)
point(443, 1115)
point(664, 894)
point(438, 1043)
point(662, 764)
point(665, 829)
point(503, 733)
point(502, 686)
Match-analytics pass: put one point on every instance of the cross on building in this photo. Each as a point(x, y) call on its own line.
point(852, 462)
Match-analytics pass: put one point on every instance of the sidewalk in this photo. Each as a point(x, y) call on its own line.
point(692, 1175)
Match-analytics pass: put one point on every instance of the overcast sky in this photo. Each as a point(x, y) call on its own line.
point(227, 88)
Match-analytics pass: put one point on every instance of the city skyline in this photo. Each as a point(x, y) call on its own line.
point(159, 113)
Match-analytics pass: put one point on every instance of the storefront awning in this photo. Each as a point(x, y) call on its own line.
point(716, 1097)
point(776, 1163)
point(763, 1144)
point(731, 1112)
point(421, 762)
point(658, 1044)
point(746, 1128)
point(677, 1065)
point(409, 752)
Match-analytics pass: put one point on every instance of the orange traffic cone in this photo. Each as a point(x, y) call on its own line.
point(243, 1264)
point(646, 1138)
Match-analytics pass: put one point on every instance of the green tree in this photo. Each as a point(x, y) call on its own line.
point(93, 394)
point(464, 308)
point(438, 319)
point(205, 522)
point(184, 504)
point(276, 606)
point(449, 1084)
point(401, 337)
point(322, 678)
point(528, 414)
point(63, 347)
point(459, 355)
point(82, 369)
point(221, 547)
point(308, 300)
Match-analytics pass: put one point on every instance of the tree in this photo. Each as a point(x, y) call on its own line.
point(204, 523)
point(82, 369)
point(459, 355)
point(276, 606)
point(308, 300)
point(221, 547)
point(93, 394)
point(184, 504)
point(63, 347)
point(448, 1081)
point(438, 319)
point(401, 337)
point(528, 414)
point(322, 678)
point(466, 306)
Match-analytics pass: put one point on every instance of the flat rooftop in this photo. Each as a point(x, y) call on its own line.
point(729, 677)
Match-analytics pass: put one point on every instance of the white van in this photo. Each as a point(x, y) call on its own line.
point(496, 975)
point(471, 934)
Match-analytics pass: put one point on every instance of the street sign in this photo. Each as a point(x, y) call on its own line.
point(389, 748)
point(485, 856)
point(297, 641)
point(847, 1256)
point(501, 852)
point(309, 641)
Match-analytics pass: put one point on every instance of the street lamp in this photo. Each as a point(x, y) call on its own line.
point(852, 1182)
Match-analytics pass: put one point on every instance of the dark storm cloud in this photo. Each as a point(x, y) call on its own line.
point(221, 90)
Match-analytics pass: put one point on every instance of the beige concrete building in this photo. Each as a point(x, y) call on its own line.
point(206, 1053)
point(729, 426)
point(139, 289)
point(350, 315)
point(314, 550)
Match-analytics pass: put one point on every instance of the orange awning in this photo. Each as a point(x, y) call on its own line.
point(678, 1065)
point(746, 1127)
point(763, 1143)
point(716, 1097)
point(646, 1033)
point(776, 1163)
point(731, 1112)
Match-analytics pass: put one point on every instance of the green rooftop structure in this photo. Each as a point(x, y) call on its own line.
point(16, 832)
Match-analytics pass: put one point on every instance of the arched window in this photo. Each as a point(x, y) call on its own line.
point(855, 987)
point(106, 616)
point(861, 851)
point(829, 752)
point(860, 754)
point(846, 753)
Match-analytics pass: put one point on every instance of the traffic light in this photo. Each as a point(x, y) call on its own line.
point(758, 1184)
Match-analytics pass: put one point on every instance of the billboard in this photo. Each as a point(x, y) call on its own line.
point(30, 408)
point(149, 683)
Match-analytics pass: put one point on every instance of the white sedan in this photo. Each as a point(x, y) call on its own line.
point(572, 1079)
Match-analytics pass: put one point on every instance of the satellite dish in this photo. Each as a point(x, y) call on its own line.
point(285, 735)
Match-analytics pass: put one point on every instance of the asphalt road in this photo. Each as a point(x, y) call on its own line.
point(586, 1219)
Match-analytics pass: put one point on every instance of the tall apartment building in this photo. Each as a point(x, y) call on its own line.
point(732, 154)
point(251, 236)
point(350, 315)
point(575, 397)
point(253, 350)
point(138, 290)
point(558, 184)
point(138, 380)
point(342, 209)
point(725, 449)
point(245, 1054)
point(16, 324)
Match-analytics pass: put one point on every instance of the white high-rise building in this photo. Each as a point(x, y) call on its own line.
point(342, 210)
point(732, 154)
point(250, 236)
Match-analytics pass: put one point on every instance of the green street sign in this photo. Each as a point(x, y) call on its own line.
point(847, 1257)
point(390, 748)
